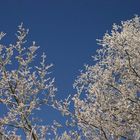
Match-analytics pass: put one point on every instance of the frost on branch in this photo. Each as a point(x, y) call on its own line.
point(23, 88)
point(111, 108)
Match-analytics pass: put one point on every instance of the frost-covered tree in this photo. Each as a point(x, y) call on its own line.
point(107, 103)
point(24, 88)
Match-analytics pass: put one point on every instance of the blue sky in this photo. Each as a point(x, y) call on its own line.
point(65, 29)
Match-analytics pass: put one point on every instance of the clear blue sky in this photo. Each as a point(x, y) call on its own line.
point(66, 29)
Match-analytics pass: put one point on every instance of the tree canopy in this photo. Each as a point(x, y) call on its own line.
point(111, 105)
point(107, 102)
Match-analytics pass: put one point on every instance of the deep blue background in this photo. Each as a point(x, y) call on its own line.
point(66, 30)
